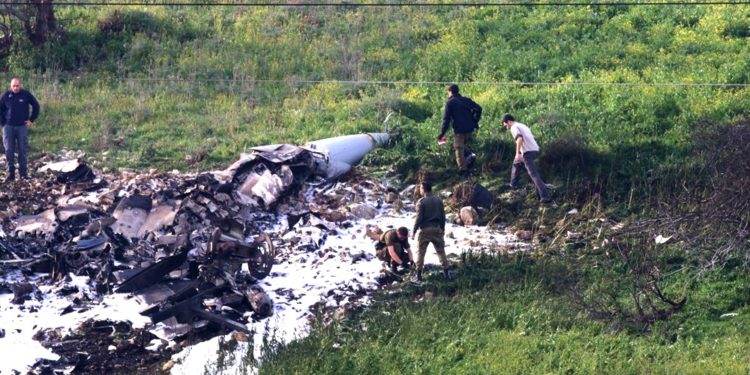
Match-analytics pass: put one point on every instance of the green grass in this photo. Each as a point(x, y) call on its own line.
point(193, 87)
point(490, 321)
point(172, 82)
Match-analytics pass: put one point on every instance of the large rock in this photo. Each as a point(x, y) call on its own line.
point(363, 211)
point(523, 235)
point(398, 205)
point(391, 197)
point(336, 216)
point(469, 216)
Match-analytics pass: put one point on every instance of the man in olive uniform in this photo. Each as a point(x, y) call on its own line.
point(431, 221)
point(395, 243)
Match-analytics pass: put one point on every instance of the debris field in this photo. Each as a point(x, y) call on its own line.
point(197, 256)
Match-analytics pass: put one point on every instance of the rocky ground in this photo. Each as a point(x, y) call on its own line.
point(197, 259)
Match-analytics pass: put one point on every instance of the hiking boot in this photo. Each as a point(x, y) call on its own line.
point(548, 202)
point(470, 160)
point(419, 275)
point(506, 187)
point(465, 173)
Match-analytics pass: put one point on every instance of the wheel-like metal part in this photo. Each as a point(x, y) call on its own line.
point(262, 260)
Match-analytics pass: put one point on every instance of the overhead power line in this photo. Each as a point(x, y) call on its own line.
point(381, 5)
point(386, 82)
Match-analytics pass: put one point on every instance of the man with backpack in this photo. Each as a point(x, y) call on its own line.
point(464, 114)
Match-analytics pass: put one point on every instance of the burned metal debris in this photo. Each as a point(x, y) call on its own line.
point(167, 246)
point(191, 247)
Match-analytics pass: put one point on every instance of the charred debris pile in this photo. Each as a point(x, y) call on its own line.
point(190, 247)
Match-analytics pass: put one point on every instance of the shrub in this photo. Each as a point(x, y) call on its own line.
point(113, 23)
point(569, 155)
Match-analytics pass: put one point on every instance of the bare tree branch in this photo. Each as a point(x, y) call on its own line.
point(37, 19)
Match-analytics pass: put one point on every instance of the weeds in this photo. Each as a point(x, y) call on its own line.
point(506, 314)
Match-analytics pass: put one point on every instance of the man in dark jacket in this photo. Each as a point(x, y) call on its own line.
point(464, 113)
point(17, 119)
point(431, 221)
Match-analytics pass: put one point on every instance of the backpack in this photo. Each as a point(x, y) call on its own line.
point(474, 109)
point(476, 115)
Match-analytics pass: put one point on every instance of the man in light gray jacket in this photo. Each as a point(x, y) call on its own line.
point(526, 151)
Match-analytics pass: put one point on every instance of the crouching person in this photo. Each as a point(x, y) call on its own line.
point(393, 248)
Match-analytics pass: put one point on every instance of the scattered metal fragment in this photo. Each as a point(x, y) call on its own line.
point(159, 217)
point(21, 292)
point(152, 274)
point(44, 223)
point(72, 211)
point(131, 213)
point(261, 304)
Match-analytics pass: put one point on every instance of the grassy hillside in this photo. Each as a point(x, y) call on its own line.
point(641, 112)
point(152, 85)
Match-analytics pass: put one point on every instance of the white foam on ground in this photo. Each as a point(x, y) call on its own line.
point(313, 281)
point(43, 312)
point(301, 279)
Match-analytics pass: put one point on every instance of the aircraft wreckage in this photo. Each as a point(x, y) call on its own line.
point(190, 247)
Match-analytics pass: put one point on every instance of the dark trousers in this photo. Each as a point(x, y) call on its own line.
point(528, 163)
point(16, 139)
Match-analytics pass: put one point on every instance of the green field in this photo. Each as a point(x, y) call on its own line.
point(502, 324)
point(641, 112)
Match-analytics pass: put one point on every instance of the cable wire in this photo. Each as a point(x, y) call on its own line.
point(381, 5)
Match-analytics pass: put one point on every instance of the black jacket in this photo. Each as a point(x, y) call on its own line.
point(14, 108)
point(464, 112)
